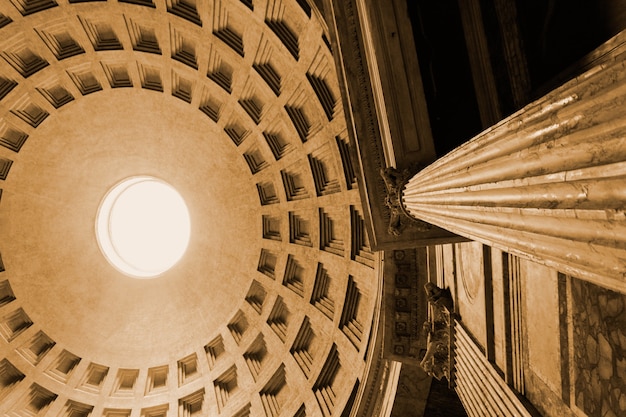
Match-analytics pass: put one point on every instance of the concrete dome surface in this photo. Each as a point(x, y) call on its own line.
point(236, 105)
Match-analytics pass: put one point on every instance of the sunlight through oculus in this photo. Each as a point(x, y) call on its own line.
point(143, 227)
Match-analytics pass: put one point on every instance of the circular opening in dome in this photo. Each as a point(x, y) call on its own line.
point(143, 227)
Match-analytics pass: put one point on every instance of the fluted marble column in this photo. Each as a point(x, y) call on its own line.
point(547, 183)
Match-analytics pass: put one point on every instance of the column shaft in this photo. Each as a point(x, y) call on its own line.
point(547, 183)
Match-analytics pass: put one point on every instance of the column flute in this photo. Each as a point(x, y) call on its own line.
point(547, 183)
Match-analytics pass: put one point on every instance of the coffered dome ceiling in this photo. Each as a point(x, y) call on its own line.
point(236, 105)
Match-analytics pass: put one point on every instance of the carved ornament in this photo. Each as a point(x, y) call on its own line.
point(399, 217)
point(436, 361)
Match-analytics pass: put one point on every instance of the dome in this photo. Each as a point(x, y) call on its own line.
point(236, 106)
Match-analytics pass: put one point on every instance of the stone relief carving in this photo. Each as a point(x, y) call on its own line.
point(405, 301)
point(436, 360)
point(439, 297)
point(400, 219)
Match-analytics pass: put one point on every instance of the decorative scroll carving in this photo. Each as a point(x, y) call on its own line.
point(436, 360)
point(395, 180)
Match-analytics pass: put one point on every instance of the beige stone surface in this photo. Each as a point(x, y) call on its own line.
point(471, 288)
point(52, 198)
point(237, 106)
point(542, 323)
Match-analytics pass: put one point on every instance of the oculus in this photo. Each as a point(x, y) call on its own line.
point(143, 227)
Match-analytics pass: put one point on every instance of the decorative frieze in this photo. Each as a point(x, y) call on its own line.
point(405, 304)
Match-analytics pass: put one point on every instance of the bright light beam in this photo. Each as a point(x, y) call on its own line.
point(143, 227)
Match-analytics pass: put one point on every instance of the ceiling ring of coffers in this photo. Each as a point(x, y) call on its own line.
point(177, 72)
